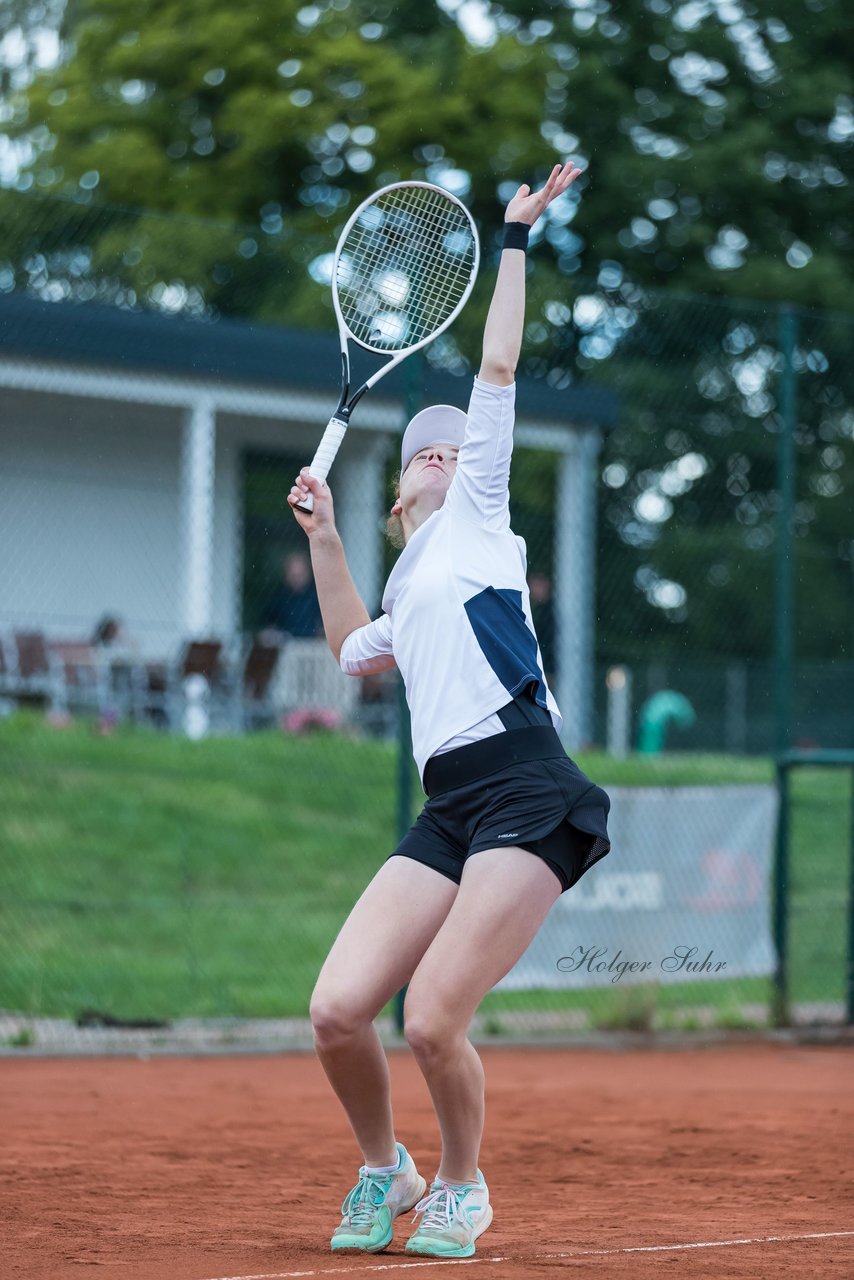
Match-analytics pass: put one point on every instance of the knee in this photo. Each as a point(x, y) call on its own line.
point(334, 1019)
point(429, 1034)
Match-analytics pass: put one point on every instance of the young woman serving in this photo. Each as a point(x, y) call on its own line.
point(510, 821)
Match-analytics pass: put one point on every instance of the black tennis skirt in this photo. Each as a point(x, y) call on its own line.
point(515, 788)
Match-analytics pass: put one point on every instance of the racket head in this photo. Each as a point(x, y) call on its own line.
point(405, 265)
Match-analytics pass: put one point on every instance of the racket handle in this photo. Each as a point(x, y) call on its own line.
point(323, 459)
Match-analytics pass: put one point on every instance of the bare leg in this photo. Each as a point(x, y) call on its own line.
point(374, 955)
point(504, 897)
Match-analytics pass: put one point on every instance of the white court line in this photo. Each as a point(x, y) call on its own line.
point(580, 1253)
point(385, 1266)
point(700, 1244)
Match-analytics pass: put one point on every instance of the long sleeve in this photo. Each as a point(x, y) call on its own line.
point(479, 490)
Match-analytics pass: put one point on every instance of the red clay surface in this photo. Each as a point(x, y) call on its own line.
point(190, 1169)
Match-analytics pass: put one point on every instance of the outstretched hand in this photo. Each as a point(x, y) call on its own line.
point(526, 206)
point(323, 516)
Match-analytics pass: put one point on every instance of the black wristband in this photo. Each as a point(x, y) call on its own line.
point(516, 235)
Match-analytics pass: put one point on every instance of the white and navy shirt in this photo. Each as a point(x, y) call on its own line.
point(456, 613)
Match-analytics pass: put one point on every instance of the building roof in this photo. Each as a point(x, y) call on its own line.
point(231, 350)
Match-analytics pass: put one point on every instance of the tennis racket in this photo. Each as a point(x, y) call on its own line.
point(404, 267)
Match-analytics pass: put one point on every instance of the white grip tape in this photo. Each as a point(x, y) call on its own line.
point(325, 456)
point(327, 449)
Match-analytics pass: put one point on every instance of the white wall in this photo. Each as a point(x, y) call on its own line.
point(88, 515)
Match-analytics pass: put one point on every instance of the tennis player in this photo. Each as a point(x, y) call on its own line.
point(510, 821)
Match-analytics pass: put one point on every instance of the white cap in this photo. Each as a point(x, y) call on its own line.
point(440, 424)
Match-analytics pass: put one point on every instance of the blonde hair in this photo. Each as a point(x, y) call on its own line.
point(394, 524)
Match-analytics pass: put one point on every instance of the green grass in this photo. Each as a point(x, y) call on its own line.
point(145, 875)
point(819, 905)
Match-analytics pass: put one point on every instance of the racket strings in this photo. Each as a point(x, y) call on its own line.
point(404, 267)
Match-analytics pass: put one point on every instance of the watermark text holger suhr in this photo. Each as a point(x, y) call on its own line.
point(681, 959)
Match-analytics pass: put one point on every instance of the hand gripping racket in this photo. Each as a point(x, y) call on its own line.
point(404, 267)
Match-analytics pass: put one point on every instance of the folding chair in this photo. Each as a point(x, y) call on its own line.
point(253, 691)
point(160, 692)
point(39, 677)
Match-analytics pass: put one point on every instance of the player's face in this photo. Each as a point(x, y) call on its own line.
point(432, 465)
point(424, 483)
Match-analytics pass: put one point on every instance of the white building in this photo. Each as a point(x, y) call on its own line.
point(122, 444)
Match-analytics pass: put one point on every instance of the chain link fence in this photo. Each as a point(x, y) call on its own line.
point(192, 795)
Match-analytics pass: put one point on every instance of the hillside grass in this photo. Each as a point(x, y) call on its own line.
point(149, 876)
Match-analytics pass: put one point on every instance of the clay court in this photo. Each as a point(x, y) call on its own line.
point(729, 1161)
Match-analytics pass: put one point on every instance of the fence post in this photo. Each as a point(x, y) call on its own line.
point(784, 577)
point(783, 603)
point(780, 1000)
point(413, 380)
point(849, 985)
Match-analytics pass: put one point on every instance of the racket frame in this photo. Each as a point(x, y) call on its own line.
point(340, 420)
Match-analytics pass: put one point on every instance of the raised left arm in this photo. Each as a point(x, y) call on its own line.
point(502, 336)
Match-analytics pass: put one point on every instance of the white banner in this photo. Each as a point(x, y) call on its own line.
point(684, 895)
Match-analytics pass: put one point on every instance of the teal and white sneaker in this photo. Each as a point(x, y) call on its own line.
point(376, 1200)
point(453, 1215)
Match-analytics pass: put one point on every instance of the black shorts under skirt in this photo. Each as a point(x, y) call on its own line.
point(492, 793)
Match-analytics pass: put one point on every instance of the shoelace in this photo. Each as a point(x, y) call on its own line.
point(441, 1208)
point(368, 1194)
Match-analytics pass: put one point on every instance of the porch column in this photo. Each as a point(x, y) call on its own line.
point(574, 585)
point(198, 448)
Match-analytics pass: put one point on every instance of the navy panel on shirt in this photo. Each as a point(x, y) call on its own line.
point(508, 644)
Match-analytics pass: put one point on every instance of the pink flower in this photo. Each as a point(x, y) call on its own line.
point(304, 719)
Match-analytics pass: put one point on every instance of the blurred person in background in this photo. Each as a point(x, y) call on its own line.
point(110, 636)
point(293, 608)
point(118, 657)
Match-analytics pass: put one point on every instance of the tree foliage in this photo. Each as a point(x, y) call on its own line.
point(718, 135)
point(24, 24)
point(272, 115)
